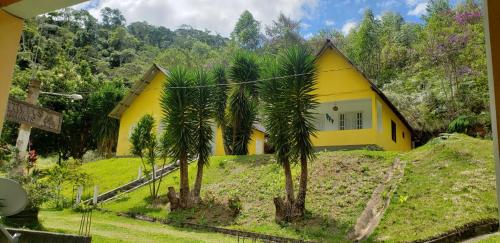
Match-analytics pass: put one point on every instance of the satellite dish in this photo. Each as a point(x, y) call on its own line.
point(13, 198)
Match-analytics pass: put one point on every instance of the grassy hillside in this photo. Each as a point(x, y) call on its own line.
point(447, 183)
point(340, 185)
point(111, 228)
point(107, 174)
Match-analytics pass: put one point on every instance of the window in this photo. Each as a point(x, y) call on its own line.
point(393, 131)
point(403, 134)
point(342, 122)
point(359, 120)
point(351, 120)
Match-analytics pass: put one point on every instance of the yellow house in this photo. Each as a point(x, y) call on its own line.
point(353, 112)
point(144, 98)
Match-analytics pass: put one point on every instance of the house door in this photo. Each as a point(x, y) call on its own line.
point(259, 146)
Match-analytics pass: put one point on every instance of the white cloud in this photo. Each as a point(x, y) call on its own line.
point(308, 36)
point(348, 26)
point(216, 15)
point(419, 9)
point(329, 22)
point(414, 2)
point(305, 26)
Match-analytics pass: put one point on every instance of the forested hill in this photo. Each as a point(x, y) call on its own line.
point(433, 71)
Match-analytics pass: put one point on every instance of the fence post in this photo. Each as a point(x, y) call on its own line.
point(79, 194)
point(96, 194)
point(139, 173)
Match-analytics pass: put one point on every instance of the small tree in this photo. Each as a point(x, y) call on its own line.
point(178, 117)
point(145, 145)
point(104, 128)
point(203, 133)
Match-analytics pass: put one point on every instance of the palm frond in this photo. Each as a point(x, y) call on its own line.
point(204, 111)
point(220, 94)
point(298, 64)
point(242, 101)
point(178, 115)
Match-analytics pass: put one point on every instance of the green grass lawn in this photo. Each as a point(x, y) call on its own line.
point(340, 184)
point(490, 239)
point(111, 228)
point(448, 183)
point(107, 174)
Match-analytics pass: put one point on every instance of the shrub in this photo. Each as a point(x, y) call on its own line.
point(461, 124)
point(234, 203)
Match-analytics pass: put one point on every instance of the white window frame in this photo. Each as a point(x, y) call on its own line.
point(355, 117)
point(359, 120)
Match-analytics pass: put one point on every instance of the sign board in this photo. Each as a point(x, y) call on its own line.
point(35, 116)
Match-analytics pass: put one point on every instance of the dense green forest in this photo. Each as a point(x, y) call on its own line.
point(433, 71)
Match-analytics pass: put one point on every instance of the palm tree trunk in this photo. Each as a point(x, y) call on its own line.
point(288, 182)
point(197, 183)
point(161, 178)
point(184, 187)
point(154, 182)
point(301, 197)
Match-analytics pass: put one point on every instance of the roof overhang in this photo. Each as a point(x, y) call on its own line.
point(328, 44)
point(136, 90)
point(31, 8)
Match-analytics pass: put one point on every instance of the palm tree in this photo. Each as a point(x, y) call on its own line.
point(203, 133)
point(289, 104)
point(277, 123)
point(178, 118)
point(298, 65)
point(220, 103)
point(243, 70)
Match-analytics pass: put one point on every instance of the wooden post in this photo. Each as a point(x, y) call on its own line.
point(23, 136)
point(139, 173)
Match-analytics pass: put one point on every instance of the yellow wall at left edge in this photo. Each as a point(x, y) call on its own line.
point(10, 34)
point(147, 102)
point(252, 145)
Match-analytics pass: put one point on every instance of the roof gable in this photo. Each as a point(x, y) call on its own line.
point(330, 46)
point(136, 90)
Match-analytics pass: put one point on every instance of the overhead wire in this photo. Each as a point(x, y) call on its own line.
point(246, 82)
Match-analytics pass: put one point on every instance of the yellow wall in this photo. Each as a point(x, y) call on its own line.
point(10, 33)
point(384, 137)
point(148, 102)
point(339, 80)
point(252, 146)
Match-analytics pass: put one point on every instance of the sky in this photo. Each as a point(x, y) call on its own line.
point(220, 16)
